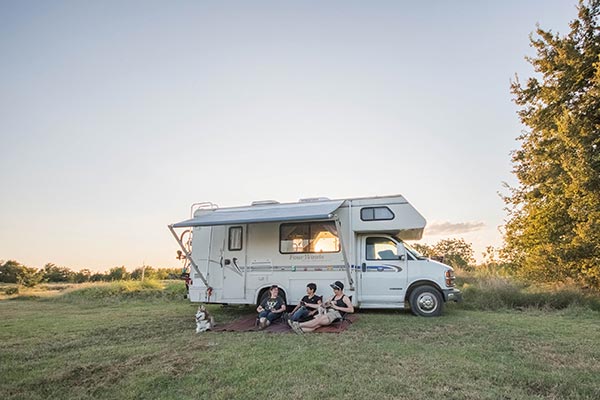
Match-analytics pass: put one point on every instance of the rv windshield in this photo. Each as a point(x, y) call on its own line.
point(414, 252)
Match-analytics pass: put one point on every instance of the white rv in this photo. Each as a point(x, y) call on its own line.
point(235, 254)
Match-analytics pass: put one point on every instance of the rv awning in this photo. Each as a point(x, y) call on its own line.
point(264, 213)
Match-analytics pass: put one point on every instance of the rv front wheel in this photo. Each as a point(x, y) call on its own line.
point(426, 301)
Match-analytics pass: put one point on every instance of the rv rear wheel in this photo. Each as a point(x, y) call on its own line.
point(426, 301)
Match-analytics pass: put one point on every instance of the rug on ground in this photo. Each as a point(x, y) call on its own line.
point(248, 324)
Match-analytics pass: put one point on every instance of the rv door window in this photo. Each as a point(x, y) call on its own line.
point(376, 214)
point(379, 248)
point(311, 237)
point(235, 238)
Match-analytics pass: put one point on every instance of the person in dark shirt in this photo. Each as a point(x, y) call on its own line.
point(270, 309)
point(308, 306)
point(337, 306)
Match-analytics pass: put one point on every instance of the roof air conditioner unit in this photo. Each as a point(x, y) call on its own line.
point(311, 199)
point(264, 202)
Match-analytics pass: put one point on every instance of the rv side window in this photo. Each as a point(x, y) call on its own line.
point(376, 214)
point(235, 238)
point(311, 237)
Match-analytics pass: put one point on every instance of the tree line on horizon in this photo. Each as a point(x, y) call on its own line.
point(454, 252)
point(12, 271)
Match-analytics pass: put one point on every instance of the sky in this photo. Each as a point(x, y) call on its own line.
point(116, 116)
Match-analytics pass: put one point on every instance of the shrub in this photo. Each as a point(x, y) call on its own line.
point(12, 290)
point(175, 290)
point(485, 290)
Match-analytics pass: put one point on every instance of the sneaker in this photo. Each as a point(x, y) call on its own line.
point(296, 328)
point(262, 325)
point(290, 323)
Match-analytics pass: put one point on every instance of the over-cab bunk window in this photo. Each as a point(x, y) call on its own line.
point(309, 237)
point(376, 214)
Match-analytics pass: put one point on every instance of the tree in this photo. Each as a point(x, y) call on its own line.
point(98, 277)
point(424, 249)
point(82, 276)
point(9, 271)
point(118, 274)
point(454, 252)
point(53, 273)
point(148, 273)
point(165, 273)
point(14, 272)
point(553, 229)
point(29, 277)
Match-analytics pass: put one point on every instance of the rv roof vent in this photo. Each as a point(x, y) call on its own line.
point(264, 202)
point(311, 199)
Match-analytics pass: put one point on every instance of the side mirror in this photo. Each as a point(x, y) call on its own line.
point(401, 252)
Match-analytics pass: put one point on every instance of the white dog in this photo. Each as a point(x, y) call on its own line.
point(321, 310)
point(204, 321)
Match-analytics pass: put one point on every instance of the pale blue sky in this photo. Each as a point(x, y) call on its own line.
point(115, 116)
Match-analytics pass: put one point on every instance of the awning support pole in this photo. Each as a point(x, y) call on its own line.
point(188, 256)
point(338, 226)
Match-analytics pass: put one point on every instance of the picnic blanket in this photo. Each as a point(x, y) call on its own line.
point(248, 324)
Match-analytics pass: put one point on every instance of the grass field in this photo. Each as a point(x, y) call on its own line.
point(141, 344)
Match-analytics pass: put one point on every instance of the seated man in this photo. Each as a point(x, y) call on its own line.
point(308, 306)
point(271, 308)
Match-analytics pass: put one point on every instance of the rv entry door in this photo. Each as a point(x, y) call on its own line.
point(234, 262)
point(383, 273)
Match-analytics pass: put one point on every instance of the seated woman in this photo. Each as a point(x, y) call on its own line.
point(308, 306)
point(337, 306)
point(271, 308)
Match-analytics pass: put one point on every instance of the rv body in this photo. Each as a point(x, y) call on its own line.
point(237, 253)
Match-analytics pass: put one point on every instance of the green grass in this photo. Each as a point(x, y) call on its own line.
point(133, 342)
point(125, 290)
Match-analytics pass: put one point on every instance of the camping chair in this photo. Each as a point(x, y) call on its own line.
point(340, 321)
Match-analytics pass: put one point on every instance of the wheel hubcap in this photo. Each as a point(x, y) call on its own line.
point(426, 302)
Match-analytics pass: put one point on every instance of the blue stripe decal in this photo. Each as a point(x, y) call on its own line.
point(379, 268)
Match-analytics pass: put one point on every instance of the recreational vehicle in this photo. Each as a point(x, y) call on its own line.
point(235, 254)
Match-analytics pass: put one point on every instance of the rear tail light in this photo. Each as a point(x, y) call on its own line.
point(450, 278)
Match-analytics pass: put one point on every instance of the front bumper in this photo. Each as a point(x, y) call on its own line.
point(452, 295)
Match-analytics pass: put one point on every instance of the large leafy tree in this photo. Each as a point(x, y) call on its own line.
point(553, 230)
